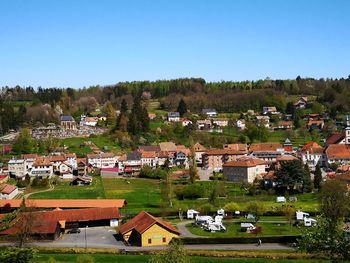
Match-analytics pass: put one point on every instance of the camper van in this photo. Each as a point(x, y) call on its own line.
point(247, 227)
point(192, 213)
point(215, 227)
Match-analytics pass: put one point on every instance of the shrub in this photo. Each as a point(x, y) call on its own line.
point(206, 208)
point(192, 191)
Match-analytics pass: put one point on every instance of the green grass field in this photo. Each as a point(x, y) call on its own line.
point(109, 258)
point(233, 230)
point(141, 194)
point(66, 191)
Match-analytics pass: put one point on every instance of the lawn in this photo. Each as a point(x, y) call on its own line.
point(141, 194)
point(110, 258)
point(77, 145)
point(233, 230)
point(65, 191)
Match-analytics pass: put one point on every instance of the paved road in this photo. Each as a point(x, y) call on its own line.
point(104, 237)
point(183, 230)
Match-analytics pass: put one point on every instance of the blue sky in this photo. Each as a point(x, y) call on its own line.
point(71, 43)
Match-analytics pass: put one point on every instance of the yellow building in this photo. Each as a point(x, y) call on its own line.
point(146, 230)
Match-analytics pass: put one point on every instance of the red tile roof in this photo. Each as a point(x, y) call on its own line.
point(312, 147)
point(236, 147)
point(286, 158)
point(65, 203)
point(245, 162)
point(338, 151)
point(144, 221)
point(57, 158)
point(148, 155)
point(264, 147)
point(199, 147)
point(224, 152)
point(7, 189)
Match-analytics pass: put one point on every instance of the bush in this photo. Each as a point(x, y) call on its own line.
point(206, 208)
point(192, 191)
point(148, 172)
point(37, 182)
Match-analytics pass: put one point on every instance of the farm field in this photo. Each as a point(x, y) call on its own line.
point(65, 191)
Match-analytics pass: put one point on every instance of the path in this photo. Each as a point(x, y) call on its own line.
point(51, 187)
point(184, 231)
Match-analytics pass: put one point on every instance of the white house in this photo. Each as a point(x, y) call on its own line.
point(17, 167)
point(311, 154)
point(8, 191)
point(88, 121)
point(102, 160)
point(42, 167)
point(269, 110)
point(220, 122)
point(149, 158)
point(173, 116)
point(186, 122)
point(240, 124)
point(263, 121)
point(210, 113)
point(245, 169)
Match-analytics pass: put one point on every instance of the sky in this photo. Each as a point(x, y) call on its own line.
point(72, 43)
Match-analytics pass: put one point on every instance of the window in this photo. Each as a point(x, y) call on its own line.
point(164, 239)
point(150, 241)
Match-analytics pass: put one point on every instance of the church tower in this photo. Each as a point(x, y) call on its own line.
point(347, 131)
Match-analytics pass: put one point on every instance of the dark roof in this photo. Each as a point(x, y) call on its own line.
point(208, 110)
point(133, 156)
point(144, 221)
point(66, 118)
point(173, 114)
point(149, 148)
point(335, 138)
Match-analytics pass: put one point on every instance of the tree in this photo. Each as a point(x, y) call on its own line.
point(328, 236)
point(193, 170)
point(24, 142)
point(231, 207)
point(317, 177)
point(289, 213)
point(257, 209)
point(291, 176)
point(182, 107)
point(24, 223)
point(175, 253)
point(307, 179)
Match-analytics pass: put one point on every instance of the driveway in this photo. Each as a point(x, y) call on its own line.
point(183, 230)
point(94, 237)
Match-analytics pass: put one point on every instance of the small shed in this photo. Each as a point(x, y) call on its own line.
point(247, 227)
point(82, 180)
point(301, 215)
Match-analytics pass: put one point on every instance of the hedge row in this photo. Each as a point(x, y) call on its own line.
point(239, 240)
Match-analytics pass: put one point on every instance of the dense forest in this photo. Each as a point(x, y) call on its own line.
point(26, 104)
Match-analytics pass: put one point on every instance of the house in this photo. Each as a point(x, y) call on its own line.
point(199, 150)
point(181, 155)
point(204, 124)
point(81, 167)
point(336, 138)
point(244, 169)
point(29, 159)
point(173, 116)
point(288, 147)
point(284, 158)
point(66, 171)
point(56, 161)
point(220, 122)
point(42, 167)
point(152, 116)
point(17, 168)
point(210, 113)
point(102, 117)
point(263, 121)
point(242, 147)
point(338, 153)
point(266, 151)
point(240, 124)
point(315, 124)
point(82, 180)
point(8, 191)
point(146, 230)
point(301, 103)
point(185, 122)
point(311, 154)
point(269, 110)
point(88, 121)
point(102, 160)
point(68, 122)
point(284, 125)
point(132, 163)
point(149, 158)
point(215, 158)
point(3, 178)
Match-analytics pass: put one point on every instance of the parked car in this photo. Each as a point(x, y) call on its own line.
point(74, 231)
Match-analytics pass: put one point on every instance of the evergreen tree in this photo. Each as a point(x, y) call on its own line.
point(307, 179)
point(182, 107)
point(290, 176)
point(317, 177)
point(122, 118)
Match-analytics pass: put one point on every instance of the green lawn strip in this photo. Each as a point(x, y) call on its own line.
point(234, 230)
point(66, 191)
point(111, 258)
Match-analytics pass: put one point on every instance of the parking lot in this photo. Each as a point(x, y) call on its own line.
point(93, 237)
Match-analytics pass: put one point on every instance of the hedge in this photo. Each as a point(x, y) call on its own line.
point(239, 240)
